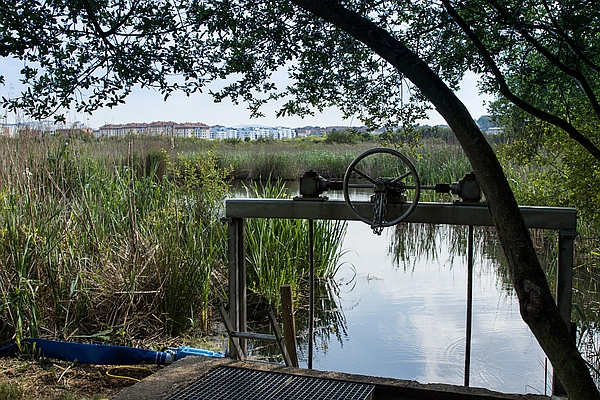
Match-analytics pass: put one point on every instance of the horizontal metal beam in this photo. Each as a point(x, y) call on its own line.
point(476, 214)
point(256, 336)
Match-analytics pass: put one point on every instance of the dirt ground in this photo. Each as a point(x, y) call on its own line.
point(24, 378)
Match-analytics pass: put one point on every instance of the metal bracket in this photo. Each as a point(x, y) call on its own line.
point(568, 232)
point(256, 336)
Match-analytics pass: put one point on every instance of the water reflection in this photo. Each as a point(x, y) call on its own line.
point(397, 308)
point(330, 321)
point(330, 324)
point(404, 313)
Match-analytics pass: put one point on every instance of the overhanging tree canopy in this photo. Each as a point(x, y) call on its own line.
point(367, 58)
point(87, 54)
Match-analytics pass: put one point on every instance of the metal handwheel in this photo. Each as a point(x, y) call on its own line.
point(403, 186)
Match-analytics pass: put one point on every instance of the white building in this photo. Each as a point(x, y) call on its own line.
point(41, 128)
point(251, 132)
point(162, 128)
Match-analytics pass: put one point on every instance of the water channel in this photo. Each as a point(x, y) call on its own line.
point(397, 308)
point(407, 319)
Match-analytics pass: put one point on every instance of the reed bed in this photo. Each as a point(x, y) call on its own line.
point(121, 237)
point(92, 245)
point(287, 160)
point(277, 249)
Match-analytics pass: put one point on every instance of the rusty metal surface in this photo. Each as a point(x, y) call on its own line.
point(227, 383)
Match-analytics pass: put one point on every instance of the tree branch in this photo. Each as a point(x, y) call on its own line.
point(554, 60)
point(566, 126)
point(567, 39)
point(575, 74)
point(113, 30)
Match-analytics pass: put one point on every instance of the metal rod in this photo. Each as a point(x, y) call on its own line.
point(459, 213)
point(371, 186)
point(233, 239)
point(311, 292)
point(564, 289)
point(256, 336)
point(367, 177)
point(361, 185)
point(422, 187)
point(469, 304)
point(398, 179)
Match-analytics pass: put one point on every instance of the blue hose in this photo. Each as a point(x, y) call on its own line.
point(103, 354)
point(185, 351)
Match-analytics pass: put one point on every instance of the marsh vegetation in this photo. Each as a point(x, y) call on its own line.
point(120, 240)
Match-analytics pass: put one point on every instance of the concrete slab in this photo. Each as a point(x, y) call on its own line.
point(188, 370)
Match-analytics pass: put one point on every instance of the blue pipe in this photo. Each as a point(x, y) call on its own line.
point(184, 351)
point(103, 354)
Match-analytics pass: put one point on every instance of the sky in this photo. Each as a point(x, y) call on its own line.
point(144, 105)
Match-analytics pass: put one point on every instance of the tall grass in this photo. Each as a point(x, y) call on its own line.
point(441, 164)
point(287, 160)
point(90, 245)
point(125, 239)
point(277, 249)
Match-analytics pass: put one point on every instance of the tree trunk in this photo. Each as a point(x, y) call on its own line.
point(537, 305)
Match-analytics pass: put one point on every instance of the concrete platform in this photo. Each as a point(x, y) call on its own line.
point(188, 370)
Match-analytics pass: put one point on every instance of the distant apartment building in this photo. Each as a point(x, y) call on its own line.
point(251, 132)
point(200, 130)
point(494, 130)
point(223, 132)
point(256, 132)
point(42, 128)
point(310, 131)
point(158, 128)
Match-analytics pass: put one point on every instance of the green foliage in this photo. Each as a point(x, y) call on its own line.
point(343, 137)
point(408, 136)
point(75, 56)
point(438, 163)
point(156, 163)
point(89, 244)
point(11, 391)
point(329, 163)
point(442, 133)
point(555, 174)
point(277, 249)
point(288, 160)
point(85, 245)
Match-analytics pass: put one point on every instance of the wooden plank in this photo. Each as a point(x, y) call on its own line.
point(241, 355)
point(289, 325)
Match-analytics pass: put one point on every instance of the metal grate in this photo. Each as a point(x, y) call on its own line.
point(227, 383)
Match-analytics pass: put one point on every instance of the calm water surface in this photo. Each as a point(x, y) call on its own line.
point(408, 321)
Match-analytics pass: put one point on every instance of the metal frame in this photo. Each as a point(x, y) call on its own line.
point(564, 220)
